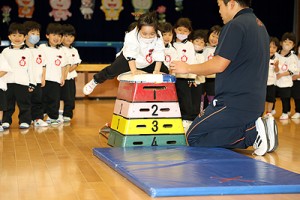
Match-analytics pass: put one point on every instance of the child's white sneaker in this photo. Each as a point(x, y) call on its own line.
point(284, 116)
point(24, 125)
point(67, 119)
point(5, 125)
point(268, 115)
point(186, 125)
point(60, 118)
point(273, 112)
point(261, 143)
point(1, 128)
point(40, 123)
point(296, 116)
point(53, 121)
point(89, 87)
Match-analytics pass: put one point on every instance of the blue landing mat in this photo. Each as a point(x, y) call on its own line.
point(192, 171)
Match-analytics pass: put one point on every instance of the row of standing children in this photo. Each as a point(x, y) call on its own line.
point(150, 47)
point(284, 76)
point(190, 46)
point(38, 77)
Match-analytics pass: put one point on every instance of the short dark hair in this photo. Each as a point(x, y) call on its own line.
point(131, 26)
point(275, 40)
point(68, 29)
point(289, 35)
point(199, 34)
point(184, 22)
point(16, 28)
point(31, 25)
point(243, 3)
point(54, 28)
point(165, 27)
point(214, 29)
point(148, 19)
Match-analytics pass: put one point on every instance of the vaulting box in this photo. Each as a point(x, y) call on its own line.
point(145, 92)
point(147, 126)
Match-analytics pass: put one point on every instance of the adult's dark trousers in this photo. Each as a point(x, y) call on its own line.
point(19, 94)
point(37, 110)
point(119, 66)
point(67, 95)
point(51, 98)
point(223, 126)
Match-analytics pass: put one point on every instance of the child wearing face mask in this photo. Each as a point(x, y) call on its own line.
point(199, 40)
point(209, 50)
point(143, 51)
point(296, 86)
point(20, 80)
point(31, 40)
point(185, 82)
point(287, 68)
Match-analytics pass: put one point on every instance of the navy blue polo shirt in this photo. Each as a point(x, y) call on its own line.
point(245, 42)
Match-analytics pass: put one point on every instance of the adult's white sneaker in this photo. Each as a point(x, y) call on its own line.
point(272, 133)
point(261, 143)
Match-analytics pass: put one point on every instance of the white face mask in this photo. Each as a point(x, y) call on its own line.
point(146, 40)
point(286, 47)
point(181, 37)
point(198, 47)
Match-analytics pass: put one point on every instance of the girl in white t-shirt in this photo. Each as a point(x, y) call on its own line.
point(273, 69)
point(288, 62)
point(186, 53)
point(199, 40)
point(171, 54)
point(143, 51)
point(209, 52)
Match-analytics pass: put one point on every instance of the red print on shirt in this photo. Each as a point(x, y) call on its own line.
point(149, 56)
point(22, 62)
point(39, 59)
point(284, 67)
point(57, 61)
point(184, 58)
point(168, 58)
point(210, 56)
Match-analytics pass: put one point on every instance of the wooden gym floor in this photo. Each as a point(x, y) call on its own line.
point(56, 163)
